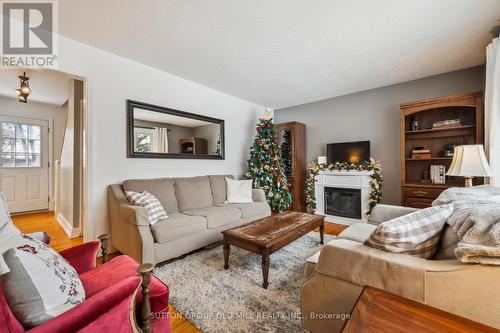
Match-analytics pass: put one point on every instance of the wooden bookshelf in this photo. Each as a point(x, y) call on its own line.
point(468, 107)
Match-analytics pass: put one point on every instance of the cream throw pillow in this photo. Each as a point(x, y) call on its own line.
point(239, 191)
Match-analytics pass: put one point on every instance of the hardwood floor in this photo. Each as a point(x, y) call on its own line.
point(46, 221)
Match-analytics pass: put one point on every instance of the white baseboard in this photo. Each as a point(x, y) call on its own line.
point(68, 229)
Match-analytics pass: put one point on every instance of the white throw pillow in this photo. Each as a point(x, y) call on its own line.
point(40, 283)
point(239, 191)
point(416, 234)
point(145, 199)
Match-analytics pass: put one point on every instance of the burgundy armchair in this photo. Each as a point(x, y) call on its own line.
point(119, 294)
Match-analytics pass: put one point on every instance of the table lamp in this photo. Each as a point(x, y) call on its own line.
point(469, 161)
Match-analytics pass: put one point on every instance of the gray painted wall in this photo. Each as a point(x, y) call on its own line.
point(374, 115)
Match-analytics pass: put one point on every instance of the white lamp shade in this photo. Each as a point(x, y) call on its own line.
point(469, 161)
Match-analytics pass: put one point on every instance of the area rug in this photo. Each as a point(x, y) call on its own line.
point(233, 300)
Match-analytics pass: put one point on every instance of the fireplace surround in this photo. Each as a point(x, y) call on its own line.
point(343, 196)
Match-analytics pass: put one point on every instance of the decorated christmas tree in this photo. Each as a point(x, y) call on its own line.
point(265, 165)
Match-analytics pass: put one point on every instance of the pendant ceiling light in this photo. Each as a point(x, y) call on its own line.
point(24, 89)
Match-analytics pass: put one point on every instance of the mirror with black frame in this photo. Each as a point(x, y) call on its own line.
point(160, 132)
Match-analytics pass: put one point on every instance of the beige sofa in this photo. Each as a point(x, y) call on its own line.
point(196, 212)
point(335, 277)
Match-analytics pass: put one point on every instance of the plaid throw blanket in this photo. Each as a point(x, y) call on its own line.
point(476, 219)
point(416, 234)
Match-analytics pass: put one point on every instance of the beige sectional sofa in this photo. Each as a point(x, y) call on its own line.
point(335, 277)
point(197, 214)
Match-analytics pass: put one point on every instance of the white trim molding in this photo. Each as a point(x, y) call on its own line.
point(68, 229)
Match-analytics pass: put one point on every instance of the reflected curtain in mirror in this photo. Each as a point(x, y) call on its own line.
point(160, 140)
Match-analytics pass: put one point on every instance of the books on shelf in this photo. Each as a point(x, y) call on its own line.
point(447, 123)
point(421, 156)
point(438, 174)
point(421, 153)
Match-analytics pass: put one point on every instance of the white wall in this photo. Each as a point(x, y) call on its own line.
point(110, 81)
point(33, 110)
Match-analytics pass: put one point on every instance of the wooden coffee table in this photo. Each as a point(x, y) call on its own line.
point(268, 235)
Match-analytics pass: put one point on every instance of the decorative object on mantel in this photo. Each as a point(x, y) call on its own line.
point(371, 165)
point(469, 161)
point(24, 89)
point(265, 165)
point(321, 159)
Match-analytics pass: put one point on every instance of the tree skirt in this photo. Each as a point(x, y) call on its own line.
point(233, 300)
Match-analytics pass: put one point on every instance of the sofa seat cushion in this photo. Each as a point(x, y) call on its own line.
point(217, 216)
point(251, 209)
point(358, 232)
point(161, 188)
point(176, 226)
point(193, 193)
point(118, 269)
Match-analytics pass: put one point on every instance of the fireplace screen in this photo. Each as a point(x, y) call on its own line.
point(345, 202)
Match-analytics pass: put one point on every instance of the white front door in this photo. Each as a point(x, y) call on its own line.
point(24, 159)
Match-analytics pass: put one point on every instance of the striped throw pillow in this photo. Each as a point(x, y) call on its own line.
point(145, 199)
point(416, 234)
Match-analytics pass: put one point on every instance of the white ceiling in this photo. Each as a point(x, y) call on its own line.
point(47, 86)
point(286, 52)
point(158, 117)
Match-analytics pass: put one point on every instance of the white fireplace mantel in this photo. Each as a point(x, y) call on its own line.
point(343, 179)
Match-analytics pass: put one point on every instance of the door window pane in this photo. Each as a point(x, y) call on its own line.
point(8, 145)
point(8, 160)
point(21, 145)
point(34, 160)
point(34, 132)
point(21, 160)
point(21, 131)
point(8, 130)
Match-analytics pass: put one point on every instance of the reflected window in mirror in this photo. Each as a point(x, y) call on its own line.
point(158, 132)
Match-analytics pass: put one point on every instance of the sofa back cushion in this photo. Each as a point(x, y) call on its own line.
point(161, 188)
point(193, 193)
point(447, 244)
point(218, 185)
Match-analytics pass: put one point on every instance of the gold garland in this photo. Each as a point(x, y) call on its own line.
point(371, 165)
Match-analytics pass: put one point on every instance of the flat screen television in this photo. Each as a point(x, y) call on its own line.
point(352, 152)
